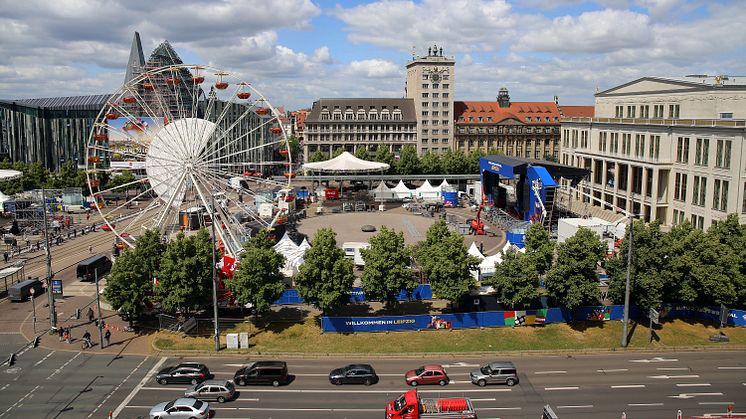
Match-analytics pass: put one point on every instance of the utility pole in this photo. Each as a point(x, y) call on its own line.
point(50, 294)
point(98, 303)
point(214, 277)
point(626, 289)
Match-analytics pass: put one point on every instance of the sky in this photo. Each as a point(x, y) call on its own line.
point(297, 51)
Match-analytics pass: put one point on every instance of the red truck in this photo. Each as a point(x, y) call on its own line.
point(411, 406)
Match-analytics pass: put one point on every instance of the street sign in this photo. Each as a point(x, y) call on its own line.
point(32, 291)
point(57, 288)
point(724, 312)
point(654, 316)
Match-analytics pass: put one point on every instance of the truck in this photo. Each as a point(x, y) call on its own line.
point(411, 406)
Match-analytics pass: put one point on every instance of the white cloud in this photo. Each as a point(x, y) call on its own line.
point(322, 55)
point(374, 69)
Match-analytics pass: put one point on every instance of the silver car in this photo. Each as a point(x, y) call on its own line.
point(495, 373)
point(217, 390)
point(181, 408)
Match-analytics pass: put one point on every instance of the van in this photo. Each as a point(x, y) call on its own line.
point(495, 373)
point(76, 209)
point(262, 372)
point(22, 290)
point(87, 268)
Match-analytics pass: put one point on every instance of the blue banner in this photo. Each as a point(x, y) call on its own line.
point(357, 295)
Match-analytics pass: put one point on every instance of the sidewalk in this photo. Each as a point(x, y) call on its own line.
point(122, 341)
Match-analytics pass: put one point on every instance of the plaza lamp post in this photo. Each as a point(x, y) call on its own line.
point(625, 341)
point(214, 277)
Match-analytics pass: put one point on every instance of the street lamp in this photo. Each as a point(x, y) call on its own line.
point(214, 277)
point(626, 288)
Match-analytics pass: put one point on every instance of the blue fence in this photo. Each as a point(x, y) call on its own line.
point(422, 292)
point(515, 318)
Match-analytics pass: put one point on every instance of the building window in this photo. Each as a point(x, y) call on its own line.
point(682, 150)
point(614, 142)
point(698, 221)
point(445, 95)
point(425, 113)
point(435, 95)
point(444, 104)
point(726, 115)
point(619, 112)
point(435, 113)
point(626, 144)
point(639, 145)
point(657, 111)
point(655, 146)
point(722, 156)
point(445, 131)
point(425, 104)
point(446, 85)
point(720, 195)
point(424, 131)
point(701, 151)
point(425, 77)
point(425, 85)
point(644, 111)
point(435, 104)
point(445, 113)
point(679, 190)
point(700, 191)
point(435, 86)
point(673, 111)
point(631, 111)
point(602, 141)
point(743, 203)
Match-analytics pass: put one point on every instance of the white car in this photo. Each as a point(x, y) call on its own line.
point(76, 209)
point(181, 408)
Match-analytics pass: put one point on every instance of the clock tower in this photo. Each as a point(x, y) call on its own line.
point(430, 83)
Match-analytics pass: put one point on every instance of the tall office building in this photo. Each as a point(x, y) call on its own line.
point(430, 83)
point(669, 149)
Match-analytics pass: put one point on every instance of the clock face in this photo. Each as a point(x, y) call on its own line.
point(435, 77)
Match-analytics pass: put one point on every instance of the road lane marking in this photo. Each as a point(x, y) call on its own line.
point(28, 395)
point(277, 409)
point(656, 359)
point(461, 365)
point(691, 395)
point(550, 372)
point(58, 370)
point(629, 386)
point(613, 370)
point(335, 390)
point(715, 403)
point(44, 359)
point(693, 384)
point(732, 368)
point(575, 406)
point(497, 408)
point(560, 388)
point(117, 387)
point(484, 400)
point(666, 377)
point(139, 386)
point(644, 404)
point(673, 369)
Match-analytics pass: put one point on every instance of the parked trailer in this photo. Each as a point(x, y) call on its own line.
point(411, 406)
point(22, 290)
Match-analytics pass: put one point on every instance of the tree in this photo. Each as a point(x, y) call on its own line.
point(731, 233)
point(472, 161)
point(408, 163)
point(384, 155)
point(431, 164)
point(326, 275)
point(454, 162)
point(35, 175)
point(126, 177)
point(296, 151)
point(338, 151)
point(572, 281)
point(362, 153)
point(318, 155)
point(515, 279)
point(258, 279)
point(130, 283)
point(185, 274)
point(387, 267)
point(445, 261)
point(539, 247)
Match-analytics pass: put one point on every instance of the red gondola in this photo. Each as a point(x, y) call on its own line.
point(94, 159)
point(173, 81)
point(289, 174)
point(94, 183)
point(129, 99)
point(112, 115)
point(262, 111)
point(243, 95)
point(275, 130)
point(100, 136)
point(198, 79)
point(284, 152)
point(221, 85)
point(148, 86)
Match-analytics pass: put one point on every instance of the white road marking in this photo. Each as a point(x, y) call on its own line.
point(613, 370)
point(716, 403)
point(499, 408)
point(277, 409)
point(461, 365)
point(693, 384)
point(484, 400)
point(20, 402)
point(117, 387)
point(550, 372)
point(673, 369)
point(44, 359)
point(335, 390)
point(656, 359)
point(666, 377)
point(560, 388)
point(576, 406)
point(644, 404)
point(231, 408)
point(58, 370)
point(5, 386)
point(732, 368)
point(691, 395)
point(629, 386)
point(139, 386)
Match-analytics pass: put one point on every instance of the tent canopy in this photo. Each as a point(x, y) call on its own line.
point(346, 162)
point(444, 186)
point(428, 191)
point(402, 191)
point(384, 192)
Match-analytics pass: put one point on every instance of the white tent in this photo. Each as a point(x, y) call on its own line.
point(402, 191)
point(287, 248)
point(487, 267)
point(508, 245)
point(427, 191)
point(445, 186)
point(474, 251)
point(346, 162)
point(4, 197)
point(383, 192)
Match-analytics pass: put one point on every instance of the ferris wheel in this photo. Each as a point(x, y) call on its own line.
point(183, 146)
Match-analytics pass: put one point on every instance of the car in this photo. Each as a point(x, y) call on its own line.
point(108, 227)
point(181, 408)
point(76, 209)
point(427, 374)
point(213, 390)
point(186, 372)
point(354, 374)
point(262, 372)
point(495, 373)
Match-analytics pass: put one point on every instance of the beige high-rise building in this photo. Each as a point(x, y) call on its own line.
point(430, 83)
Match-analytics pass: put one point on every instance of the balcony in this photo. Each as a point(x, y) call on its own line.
point(720, 123)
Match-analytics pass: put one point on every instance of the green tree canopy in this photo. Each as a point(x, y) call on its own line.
point(318, 155)
point(572, 281)
point(387, 267)
point(454, 162)
point(409, 162)
point(258, 279)
point(384, 155)
point(185, 274)
point(445, 261)
point(472, 161)
point(125, 178)
point(431, 164)
point(338, 151)
point(296, 151)
point(362, 153)
point(515, 279)
point(539, 247)
point(326, 276)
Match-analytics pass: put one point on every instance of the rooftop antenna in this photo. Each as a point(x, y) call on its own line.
point(414, 51)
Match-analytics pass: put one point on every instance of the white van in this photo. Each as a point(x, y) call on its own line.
point(352, 251)
point(76, 209)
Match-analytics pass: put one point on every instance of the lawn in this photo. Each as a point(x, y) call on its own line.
point(307, 338)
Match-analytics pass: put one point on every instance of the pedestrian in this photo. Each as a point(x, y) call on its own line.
point(67, 336)
point(90, 249)
point(90, 315)
point(38, 245)
point(107, 336)
point(481, 247)
point(5, 256)
point(61, 333)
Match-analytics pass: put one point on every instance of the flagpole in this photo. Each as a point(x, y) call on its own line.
point(214, 279)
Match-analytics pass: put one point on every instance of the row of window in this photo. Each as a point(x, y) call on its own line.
point(434, 140)
point(359, 127)
point(435, 113)
point(610, 141)
point(501, 143)
point(490, 119)
point(723, 149)
point(434, 95)
point(442, 77)
point(435, 122)
point(361, 115)
point(436, 85)
point(632, 111)
point(435, 131)
point(436, 104)
point(358, 137)
point(508, 130)
point(699, 191)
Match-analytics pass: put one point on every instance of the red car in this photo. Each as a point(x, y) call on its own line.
point(107, 227)
point(427, 374)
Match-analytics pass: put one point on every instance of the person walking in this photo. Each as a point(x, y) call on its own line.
point(61, 333)
point(67, 336)
point(87, 339)
point(90, 315)
point(107, 336)
point(5, 256)
point(90, 249)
